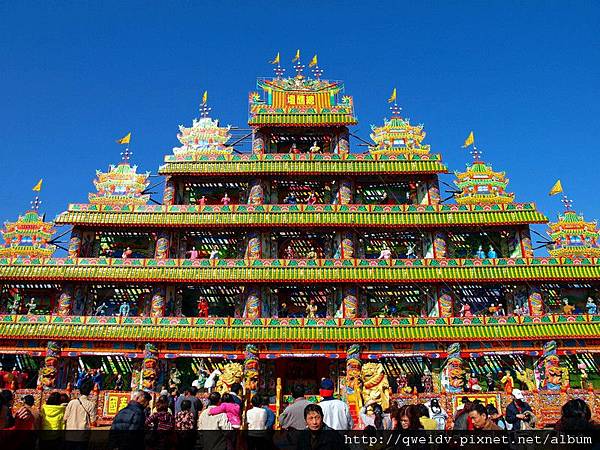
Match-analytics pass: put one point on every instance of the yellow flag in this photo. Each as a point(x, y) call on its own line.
point(125, 140)
point(204, 97)
point(556, 189)
point(297, 57)
point(393, 97)
point(313, 61)
point(276, 60)
point(470, 140)
point(38, 186)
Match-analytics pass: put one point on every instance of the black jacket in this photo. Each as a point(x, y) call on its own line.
point(325, 439)
point(511, 414)
point(127, 429)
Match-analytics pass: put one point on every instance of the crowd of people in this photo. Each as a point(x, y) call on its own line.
point(195, 411)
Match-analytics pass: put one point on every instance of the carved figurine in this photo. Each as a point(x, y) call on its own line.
point(311, 309)
point(315, 148)
point(480, 254)
point(225, 200)
point(31, 307)
point(492, 253)
point(124, 309)
point(100, 310)
point(567, 308)
point(202, 307)
point(591, 306)
point(465, 310)
point(473, 383)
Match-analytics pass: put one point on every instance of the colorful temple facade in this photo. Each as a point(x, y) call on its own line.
point(304, 259)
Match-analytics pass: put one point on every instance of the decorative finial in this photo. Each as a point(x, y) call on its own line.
point(36, 203)
point(299, 67)
point(395, 109)
point(204, 109)
point(568, 203)
point(315, 67)
point(279, 71)
point(476, 153)
point(126, 155)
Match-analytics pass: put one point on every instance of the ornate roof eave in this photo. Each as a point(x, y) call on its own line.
point(323, 271)
point(380, 216)
point(306, 164)
point(484, 199)
point(575, 252)
point(272, 330)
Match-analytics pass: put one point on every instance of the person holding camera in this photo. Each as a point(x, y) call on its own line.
point(518, 412)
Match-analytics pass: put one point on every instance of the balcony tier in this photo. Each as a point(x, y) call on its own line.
point(236, 271)
point(351, 164)
point(379, 216)
point(236, 330)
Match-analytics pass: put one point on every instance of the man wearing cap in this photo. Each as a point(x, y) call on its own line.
point(518, 411)
point(336, 413)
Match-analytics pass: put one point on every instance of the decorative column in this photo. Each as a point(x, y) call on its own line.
point(350, 302)
point(535, 302)
point(75, 244)
point(169, 192)
point(440, 247)
point(253, 246)
point(163, 243)
point(49, 373)
point(344, 245)
point(256, 196)
point(258, 144)
point(65, 301)
point(157, 304)
point(150, 367)
point(433, 192)
point(253, 304)
point(453, 375)
point(251, 368)
point(526, 249)
point(353, 367)
point(342, 146)
point(445, 302)
point(550, 375)
point(344, 194)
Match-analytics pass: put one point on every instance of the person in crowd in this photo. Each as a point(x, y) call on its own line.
point(518, 412)
point(162, 419)
point(371, 414)
point(6, 403)
point(173, 394)
point(189, 394)
point(317, 434)
point(256, 416)
point(481, 419)
point(264, 403)
point(133, 416)
point(236, 393)
point(27, 417)
point(422, 412)
point(184, 420)
point(461, 418)
point(292, 417)
point(119, 383)
point(230, 408)
point(216, 425)
point(407, 419)
point(80, 413)
point(575, 416)
point(336, 413)
point(437, 413)
point(53, 413)
point(498, 419)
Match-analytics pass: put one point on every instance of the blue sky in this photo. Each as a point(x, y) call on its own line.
point(76, 76)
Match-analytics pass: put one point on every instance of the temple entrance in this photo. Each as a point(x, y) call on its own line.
point(305, 371)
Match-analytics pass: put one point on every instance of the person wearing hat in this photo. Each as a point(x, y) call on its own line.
point(336, 413)
point(518, 412)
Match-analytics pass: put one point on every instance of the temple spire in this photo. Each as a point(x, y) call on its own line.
point(36, 203)
point(476, 153)
point(314, 63)
point(126, 155)
point(568, 203)
point(204, 108)
point(299, 67)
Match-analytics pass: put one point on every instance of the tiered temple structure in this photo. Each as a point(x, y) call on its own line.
point(305, 259)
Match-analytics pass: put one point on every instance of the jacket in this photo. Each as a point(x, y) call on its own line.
point(336, 414)
point(292, 416)
point(53, 417)
point(325, 439)
point(130, 418)
point(511, 414)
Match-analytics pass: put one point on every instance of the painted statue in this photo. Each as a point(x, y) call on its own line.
point(492, 253)
point(527, 378)
point(49, 373)
point(174, 377)
point(251, 368)
point(202, 307)
point(375, 384)
point(232, 373)
point(427, 380)
point(508, 383)
point(31, 307)
point(124, 309)
point(353, 367)
point(550, 375)
point(150, 367)
point(480, 253)
point(473, 383)
point(453, 375)
point(591, 306)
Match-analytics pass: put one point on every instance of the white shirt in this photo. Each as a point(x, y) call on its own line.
point(256, 418)
point(336, 414)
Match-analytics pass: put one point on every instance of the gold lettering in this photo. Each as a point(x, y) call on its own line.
point(291, 99)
